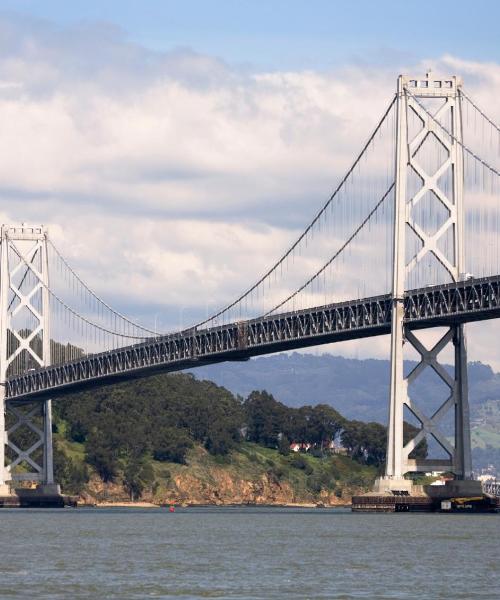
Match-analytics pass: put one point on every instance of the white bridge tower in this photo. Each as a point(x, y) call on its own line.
point(429, 177)
point(25, 344)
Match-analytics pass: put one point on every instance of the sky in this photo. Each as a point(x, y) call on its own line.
point(291, 34)
point(162, 142)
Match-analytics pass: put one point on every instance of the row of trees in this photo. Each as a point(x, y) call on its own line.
point(268, 422)
point(273, 424)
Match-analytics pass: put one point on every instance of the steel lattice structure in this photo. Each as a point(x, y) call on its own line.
point(443, 305)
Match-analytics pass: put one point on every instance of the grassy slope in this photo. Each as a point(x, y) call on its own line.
point(252, 473)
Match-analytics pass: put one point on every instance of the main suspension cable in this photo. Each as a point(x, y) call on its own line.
point(339, 251)
point(309, 227)
point(78, 315)
point(481, 112)
point(92, 293)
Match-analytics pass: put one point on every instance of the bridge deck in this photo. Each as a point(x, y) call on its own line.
point(460, 302)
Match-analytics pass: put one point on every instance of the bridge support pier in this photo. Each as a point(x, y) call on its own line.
point(399, 454)
point(427, 186)
point(48, 457)
point(463, 456)
point(25, 344)
point(29, 439)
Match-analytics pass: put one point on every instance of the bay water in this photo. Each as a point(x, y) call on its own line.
point(247, 554)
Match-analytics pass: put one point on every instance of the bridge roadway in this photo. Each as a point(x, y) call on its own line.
point(441, 305)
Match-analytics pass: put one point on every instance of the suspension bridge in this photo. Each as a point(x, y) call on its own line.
point(407, 242)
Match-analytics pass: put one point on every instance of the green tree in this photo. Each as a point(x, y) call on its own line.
point(137, 475)
point(284, 446)
point(365, 442)
point(71, 475)
point(172, 445)
point(324, 424)
point(266, 418)
point(102, 456)
point(219, 440)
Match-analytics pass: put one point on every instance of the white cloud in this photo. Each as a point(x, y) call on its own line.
point(174, 180)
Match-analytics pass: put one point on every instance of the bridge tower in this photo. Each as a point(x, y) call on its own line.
point(24, 344)
point(429, 177)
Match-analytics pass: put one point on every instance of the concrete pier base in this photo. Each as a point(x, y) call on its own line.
point(8, 499)
point(49, 489)
point(387, 485)
point(43, 496)
point(400, 495)
point(457, 488)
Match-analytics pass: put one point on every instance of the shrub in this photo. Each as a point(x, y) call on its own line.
point(72, 476)
point(137, 475)
point(314, 483)
point(172, 446)
point(275, 474)
point(299, 462)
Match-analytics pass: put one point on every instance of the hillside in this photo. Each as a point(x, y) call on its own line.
point(171, 438)
point(249, 474)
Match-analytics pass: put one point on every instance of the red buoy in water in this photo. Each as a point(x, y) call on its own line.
point(171, 509)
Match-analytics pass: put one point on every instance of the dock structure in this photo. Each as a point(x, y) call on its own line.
point(453, 496)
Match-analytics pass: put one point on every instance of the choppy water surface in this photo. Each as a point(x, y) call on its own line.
point(247, 553)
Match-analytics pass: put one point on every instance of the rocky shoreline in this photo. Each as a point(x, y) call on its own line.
point(223, 489)
point(204, 505)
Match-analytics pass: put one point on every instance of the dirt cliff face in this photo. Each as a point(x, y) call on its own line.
point(222, 489)
point(99, 491)
point(228, 490)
